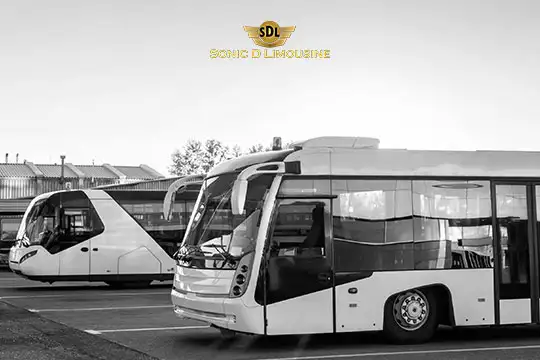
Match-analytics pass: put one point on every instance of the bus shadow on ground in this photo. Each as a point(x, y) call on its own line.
point(39, 287)
point(464, 337)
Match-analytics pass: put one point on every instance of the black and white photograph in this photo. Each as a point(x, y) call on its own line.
point(280, 180)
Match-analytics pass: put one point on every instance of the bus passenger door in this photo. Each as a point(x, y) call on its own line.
point(74, 246)
point(299, 280)
point(516, 276)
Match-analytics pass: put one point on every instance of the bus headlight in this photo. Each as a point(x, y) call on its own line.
point(241, 276)
point(28, 256)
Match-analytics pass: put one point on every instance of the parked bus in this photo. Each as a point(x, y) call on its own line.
point(8, 230)
point(119, 237)
point(338, 235)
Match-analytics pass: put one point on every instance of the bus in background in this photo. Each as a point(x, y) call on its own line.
point(115, 236)
point(8, 232)
point(338, 235)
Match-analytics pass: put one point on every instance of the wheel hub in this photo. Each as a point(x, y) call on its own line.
point(411, 310)
point(414, 309)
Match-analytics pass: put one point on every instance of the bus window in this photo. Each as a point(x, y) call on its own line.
point(147, 209)
point(297, 262)
point(299, 230)
point(67, 219)
point(9, 228)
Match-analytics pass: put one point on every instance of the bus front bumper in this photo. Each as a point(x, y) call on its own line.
point(221, 312)
point(206, 309)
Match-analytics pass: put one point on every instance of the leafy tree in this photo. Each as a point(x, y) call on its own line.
point(198, 158)
point(188, 161)
point(214, 153)
point(258, 148)
point(236, 151)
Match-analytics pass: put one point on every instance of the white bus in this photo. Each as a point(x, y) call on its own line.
point(121, 237)
point(337, 235)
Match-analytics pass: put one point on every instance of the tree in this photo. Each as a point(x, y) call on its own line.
point(189, 161)
point(198, 158)
point(214, 152)
point(288, 145)
point(258, 148)
point(236, 151)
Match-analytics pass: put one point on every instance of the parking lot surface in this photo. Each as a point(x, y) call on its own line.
point(142, 320)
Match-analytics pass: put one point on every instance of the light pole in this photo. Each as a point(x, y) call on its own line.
point(62, 157)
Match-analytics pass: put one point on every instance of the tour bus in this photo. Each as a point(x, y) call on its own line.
point(338, 235)
point(120, 237)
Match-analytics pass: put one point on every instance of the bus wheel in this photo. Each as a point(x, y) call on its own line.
point(410, 317)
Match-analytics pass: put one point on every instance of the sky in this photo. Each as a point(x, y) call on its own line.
point(126, 82)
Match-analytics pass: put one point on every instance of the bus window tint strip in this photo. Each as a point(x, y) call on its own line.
point(411, 225)
point(304, 187)
point(148, 213)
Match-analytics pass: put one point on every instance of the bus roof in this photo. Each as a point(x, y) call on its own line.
point(361, 156)
point(392, 162)
point(242, 162)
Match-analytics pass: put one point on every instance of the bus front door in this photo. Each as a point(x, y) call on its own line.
point(299, 281)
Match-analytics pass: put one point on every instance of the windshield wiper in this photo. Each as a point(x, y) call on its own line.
point(228, 258)
point(187, 256)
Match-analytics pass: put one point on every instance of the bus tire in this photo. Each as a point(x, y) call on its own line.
point(410, 317)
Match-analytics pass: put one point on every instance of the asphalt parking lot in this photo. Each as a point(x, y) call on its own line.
point(142, 319)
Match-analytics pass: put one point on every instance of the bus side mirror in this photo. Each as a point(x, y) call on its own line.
point(238, 196)
point(177, 188)
point(239, 191)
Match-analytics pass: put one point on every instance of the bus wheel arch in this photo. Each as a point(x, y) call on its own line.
point(413, 315)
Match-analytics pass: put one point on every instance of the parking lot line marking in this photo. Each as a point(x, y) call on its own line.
point(103, 308)
point(97, 332)
point(81, 294)
point(401, 353)
point(37, 286)
point(93, 332)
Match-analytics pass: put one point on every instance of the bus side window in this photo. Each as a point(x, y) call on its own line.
point(299, 230)
point(76, 221)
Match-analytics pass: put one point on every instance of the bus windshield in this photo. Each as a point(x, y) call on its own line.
point(214, 231)
point(59, 221)
point(29, 225)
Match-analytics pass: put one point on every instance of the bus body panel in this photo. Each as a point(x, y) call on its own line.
point(515, 311)
point(74, 261)
point(207, 309)
point(215, 282)
point(139, 261)
point(471, 294)
point(220, 312)
point(40, 263)
point(308, 314)
point(124, 247)
point(247, 319)
point(15, 255)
